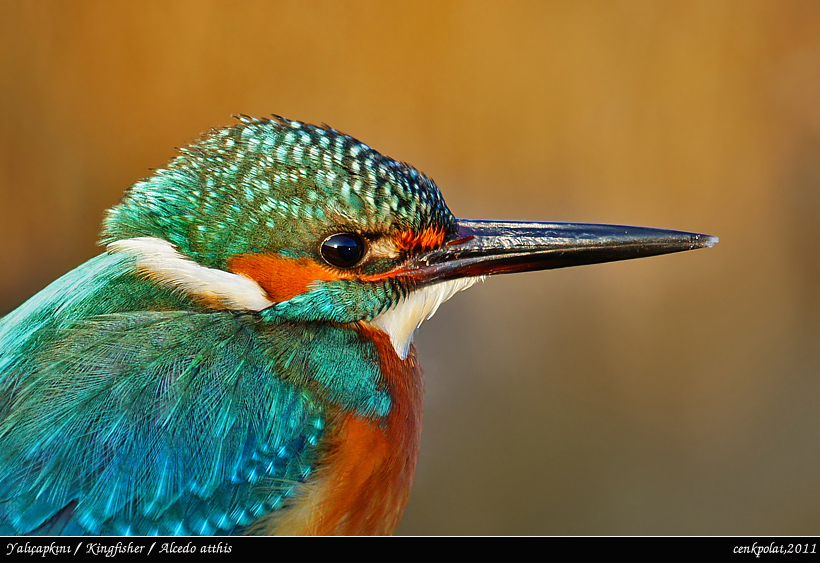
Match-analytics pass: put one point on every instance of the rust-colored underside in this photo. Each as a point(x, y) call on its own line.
point(363, 483)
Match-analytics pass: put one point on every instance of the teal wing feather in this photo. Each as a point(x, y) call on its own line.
point(118, 421)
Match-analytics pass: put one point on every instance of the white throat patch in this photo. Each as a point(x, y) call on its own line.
point(401, 321)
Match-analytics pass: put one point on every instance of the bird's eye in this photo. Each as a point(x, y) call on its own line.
point(343, 250)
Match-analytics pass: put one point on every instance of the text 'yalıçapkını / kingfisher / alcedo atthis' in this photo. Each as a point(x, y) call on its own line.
point(240, 359)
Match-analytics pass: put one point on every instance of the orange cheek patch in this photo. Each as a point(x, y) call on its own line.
point(282, 278)
point(285, 278)
point(424, 241)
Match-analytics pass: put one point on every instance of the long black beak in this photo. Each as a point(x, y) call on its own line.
point(500, 247)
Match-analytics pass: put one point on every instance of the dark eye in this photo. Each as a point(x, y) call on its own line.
point(343, 250)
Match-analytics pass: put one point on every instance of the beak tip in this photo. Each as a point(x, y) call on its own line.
point(704, 241)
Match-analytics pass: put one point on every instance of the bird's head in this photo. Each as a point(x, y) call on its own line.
point(305, 223)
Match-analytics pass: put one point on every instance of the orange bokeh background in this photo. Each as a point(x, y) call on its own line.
point(673, 395)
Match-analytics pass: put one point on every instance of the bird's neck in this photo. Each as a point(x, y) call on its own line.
point(364, 481)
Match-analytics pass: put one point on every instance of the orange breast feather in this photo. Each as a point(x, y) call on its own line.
point(362, 485)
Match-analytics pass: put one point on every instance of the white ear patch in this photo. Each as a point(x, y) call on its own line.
point(160, 261)
point(400, 321)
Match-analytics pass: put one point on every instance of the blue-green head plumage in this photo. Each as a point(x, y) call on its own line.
point(275, 186)
point(279, 188)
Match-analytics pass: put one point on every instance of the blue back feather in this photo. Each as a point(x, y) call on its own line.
point(176, 420)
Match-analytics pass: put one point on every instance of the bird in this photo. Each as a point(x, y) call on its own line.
point(239, 358)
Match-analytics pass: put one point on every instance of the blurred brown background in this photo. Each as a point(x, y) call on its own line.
point(672, 395)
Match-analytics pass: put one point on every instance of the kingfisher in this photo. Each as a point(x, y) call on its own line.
point(239, 360)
